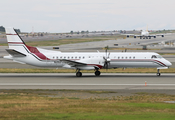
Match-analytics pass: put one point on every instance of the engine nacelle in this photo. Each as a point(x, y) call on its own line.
point(128, 36)
point(162, 35)
point(134, 36)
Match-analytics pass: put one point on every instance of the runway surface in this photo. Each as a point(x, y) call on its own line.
point(88, 81)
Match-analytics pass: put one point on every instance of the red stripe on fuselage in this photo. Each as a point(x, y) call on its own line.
point(160, 62)
point(99, 66)
point(35, 51)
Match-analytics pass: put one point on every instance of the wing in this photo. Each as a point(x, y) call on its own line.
point(138, 35)
point(73, 63)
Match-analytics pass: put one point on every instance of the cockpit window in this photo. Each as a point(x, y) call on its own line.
point(153, 56)
point(156, 56)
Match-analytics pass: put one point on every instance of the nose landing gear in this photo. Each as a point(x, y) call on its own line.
point(158, 73)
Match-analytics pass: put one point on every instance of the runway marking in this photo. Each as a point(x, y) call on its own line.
point(53, 84)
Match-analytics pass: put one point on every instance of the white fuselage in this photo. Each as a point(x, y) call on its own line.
point(144, 33)
point(22, 53)
point(91, 59)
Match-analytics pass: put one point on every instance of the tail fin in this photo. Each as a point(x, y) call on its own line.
point(15, 42)
point(17, 46)
point(147, 28)
point(13, 37)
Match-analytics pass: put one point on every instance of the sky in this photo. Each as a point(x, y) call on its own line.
point(93, 15)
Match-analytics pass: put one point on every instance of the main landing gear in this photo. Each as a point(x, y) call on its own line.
point(158, 73)
point(97, 73)
point(78, 74)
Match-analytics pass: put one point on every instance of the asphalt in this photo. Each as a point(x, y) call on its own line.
point(88, 81)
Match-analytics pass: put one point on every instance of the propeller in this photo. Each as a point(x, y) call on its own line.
point(106, 59)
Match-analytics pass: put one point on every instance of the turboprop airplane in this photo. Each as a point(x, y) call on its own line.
point(22, 53)
point(145, 35)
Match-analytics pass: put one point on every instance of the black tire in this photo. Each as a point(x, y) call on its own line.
point(78, 74)
point(158, 74)
point(97, 73)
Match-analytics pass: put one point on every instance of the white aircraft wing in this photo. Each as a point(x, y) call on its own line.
point(72, 63)
point(160, 34)
point(138, 35)
point(128, 34)
point(133, 35)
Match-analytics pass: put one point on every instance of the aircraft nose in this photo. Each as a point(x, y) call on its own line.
point(168, 63)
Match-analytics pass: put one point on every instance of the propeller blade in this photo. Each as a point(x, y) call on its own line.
point(108, 54)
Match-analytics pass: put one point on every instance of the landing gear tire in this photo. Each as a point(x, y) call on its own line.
point(158, 74)
point(97, 73)
point(78, 74)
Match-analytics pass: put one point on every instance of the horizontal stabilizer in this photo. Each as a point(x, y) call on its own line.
point(15, 53)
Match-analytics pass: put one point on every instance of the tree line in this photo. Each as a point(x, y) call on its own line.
point(2, 29)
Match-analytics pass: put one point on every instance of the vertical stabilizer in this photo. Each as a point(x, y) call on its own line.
point(17, 45)
point(13, 37)
point(15, 42)
point(147, 28)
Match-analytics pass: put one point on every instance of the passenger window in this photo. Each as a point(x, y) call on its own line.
point(133, 57)
point(72, 57)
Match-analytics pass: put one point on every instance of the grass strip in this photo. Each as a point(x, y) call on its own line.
point(32, 106)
